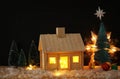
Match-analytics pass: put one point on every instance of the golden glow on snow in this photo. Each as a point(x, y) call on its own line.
point(30, 67)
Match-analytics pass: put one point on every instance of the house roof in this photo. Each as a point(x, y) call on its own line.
point(52, 43)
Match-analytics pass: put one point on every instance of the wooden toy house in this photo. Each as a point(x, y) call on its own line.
point(61, 50)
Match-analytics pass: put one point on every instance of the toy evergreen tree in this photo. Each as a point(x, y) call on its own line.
point(13, 54)
point(22, 59)
point(33, 56)
point(102, 44)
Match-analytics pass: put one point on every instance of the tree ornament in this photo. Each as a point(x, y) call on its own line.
point(99, 13)
point(114, 67)
point(106, 66)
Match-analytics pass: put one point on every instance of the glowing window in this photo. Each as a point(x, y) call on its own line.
point(52, 60)
point(64, 62)
point(75, 59)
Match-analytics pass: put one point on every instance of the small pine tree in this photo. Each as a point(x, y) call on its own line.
point(102, 44)
point(33, 56)
point(22, 59)
point(13, 54)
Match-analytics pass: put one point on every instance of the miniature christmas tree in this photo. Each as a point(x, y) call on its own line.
point(33, 57)
point(13, 54)
point(22, 59)
point(102, 44)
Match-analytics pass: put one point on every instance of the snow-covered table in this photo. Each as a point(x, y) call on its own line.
point(22, 73)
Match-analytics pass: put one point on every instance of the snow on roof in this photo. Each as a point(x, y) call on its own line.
point(52, 43)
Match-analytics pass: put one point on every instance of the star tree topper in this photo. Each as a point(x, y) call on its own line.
point(99, 13)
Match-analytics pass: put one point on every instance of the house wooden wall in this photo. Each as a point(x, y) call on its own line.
point(45, 61)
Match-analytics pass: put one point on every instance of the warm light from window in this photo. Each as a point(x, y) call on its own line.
point(58, 73)
point(75, 59)
point(63, 62)
point(52, 60)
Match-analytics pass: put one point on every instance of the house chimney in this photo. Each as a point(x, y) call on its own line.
point(60, 32)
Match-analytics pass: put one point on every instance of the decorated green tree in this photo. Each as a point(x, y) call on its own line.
point(22, 59)
point(33, 56)
point(102, 55)
point(13, 54)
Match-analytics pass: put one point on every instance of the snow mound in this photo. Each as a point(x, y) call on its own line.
point(22, 73)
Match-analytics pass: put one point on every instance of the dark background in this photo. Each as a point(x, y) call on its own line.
point(24, 21)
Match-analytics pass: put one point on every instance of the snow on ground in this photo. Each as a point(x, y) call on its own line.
point(22, 73)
